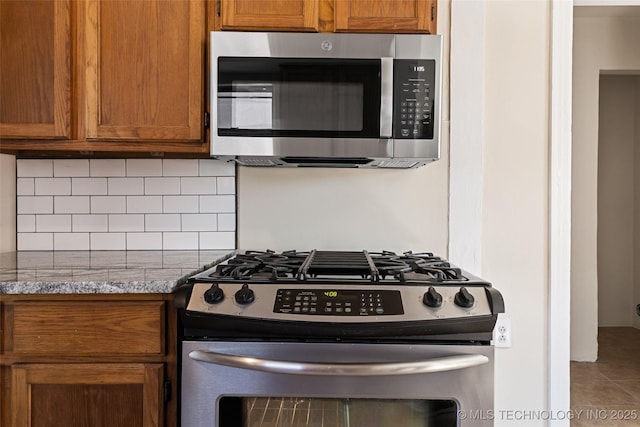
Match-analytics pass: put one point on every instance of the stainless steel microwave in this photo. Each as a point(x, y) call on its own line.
point(326, 100)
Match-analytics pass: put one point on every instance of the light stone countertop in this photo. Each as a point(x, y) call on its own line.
point(102, 272)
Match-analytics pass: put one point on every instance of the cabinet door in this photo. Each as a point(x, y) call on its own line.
point(145, 69)
point(87, 395)
point(35, 69)
point(393, 16)
point(282, 15)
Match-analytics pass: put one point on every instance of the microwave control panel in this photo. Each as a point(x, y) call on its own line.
point(414, 98)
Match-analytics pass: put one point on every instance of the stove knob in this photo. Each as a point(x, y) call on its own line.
point(463, 298)
point(245, 295)
point(214, 294)
point(432, 298)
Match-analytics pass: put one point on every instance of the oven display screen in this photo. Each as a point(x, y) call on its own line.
point(334, 302)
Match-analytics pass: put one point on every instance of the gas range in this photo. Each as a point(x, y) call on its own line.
point(339, 295)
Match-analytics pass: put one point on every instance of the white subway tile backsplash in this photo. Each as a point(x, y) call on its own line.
point(118, 204)
point(107, 167)
point(198, 185)
point(107, 241)
point(217, 240)
point(53, 186)
point(162, 222)
point(162, 186)
point(126, 223)
point(226, 222)
point(35, 241)
point(126, 186)
point(180, 167)
point(89, 223)
point(144, 167)
point(34, 168)
point(25, 186)
point(35, 205)
point(53, 223)
point(175, 241)
point(108, 204)
point(70, 167)
point(144, 204)
point(217, 204)
point(226, 185)
point(89, 186)
point(213, 167)
point(199, 222)
point(26, 223)
point(144, 241)
point(71, 242)
point(71, 204)
point(180, 204)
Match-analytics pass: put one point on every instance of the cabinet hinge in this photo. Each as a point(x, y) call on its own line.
point(206, 120)
point(167, 391)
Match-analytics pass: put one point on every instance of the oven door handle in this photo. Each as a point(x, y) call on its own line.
point(438, 364)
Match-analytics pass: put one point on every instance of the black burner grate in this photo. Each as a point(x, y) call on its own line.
point(333, 265)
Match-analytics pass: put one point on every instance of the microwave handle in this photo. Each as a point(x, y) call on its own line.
point(438, 364)
point(386, 97)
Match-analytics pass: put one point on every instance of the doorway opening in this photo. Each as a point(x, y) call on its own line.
point(613, 381)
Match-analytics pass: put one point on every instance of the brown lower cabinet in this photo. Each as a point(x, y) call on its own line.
point(115, 365)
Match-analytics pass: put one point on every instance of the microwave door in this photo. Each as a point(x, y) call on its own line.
point(300, 98)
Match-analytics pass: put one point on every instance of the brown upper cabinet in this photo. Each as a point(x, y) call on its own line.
point(145, 69)
point(284, 15)
point(368, 16)
point(386, 16)
point(103, 76)
point(35, 78)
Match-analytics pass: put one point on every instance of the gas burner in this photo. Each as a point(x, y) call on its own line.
point(432, 273)
point(391, 267)
point(237, 269)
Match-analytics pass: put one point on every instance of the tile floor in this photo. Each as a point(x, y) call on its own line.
point(609, 388)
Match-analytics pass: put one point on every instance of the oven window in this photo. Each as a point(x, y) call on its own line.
point(298, 412)
point(298, 97)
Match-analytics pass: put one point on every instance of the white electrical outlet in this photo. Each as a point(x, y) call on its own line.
point(502, 332)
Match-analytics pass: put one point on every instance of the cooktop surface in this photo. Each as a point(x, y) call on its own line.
point(339, 294)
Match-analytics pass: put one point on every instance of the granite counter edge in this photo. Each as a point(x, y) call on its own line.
point(54, 286)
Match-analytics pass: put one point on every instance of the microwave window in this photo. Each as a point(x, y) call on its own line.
point(298, 97)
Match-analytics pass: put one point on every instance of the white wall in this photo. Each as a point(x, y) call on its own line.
point(636, 234)
point(616, 200)
point(600, 43)
point(335, 209)
point(515, 243)
point(7, 203)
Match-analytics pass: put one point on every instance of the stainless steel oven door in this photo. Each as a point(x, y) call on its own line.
point(230, 384)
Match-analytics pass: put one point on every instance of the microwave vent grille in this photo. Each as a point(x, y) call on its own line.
point(397, 164)
point(256, 162)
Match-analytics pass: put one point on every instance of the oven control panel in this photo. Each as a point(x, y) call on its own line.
point(338, 302)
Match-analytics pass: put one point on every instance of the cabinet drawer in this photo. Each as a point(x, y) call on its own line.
point(88, 327)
